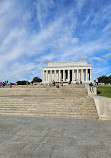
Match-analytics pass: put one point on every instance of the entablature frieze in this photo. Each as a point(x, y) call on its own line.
point(68, 68)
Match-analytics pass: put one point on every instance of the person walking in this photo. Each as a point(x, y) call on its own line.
point(97, 82)
point(2, 85)
point(10, 84)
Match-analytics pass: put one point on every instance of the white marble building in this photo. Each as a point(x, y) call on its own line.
point(67, 71)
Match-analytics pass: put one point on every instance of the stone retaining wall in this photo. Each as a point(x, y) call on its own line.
point(103, 105)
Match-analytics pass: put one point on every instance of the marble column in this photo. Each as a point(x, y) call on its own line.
point(68, 75)
point(59, 75)
point(43, 77)
point(46, 75)
point(63, 75)
point(82, 76)
point(50, 75)
point(77, 75)
point(72, 75)
point(55, 75)
point(86, 74)
point(90, 74)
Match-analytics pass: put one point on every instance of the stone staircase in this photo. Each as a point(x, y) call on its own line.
point(66, 101)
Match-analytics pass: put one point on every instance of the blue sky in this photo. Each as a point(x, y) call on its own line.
point(35, 32)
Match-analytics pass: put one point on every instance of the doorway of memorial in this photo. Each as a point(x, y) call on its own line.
point(70, 75)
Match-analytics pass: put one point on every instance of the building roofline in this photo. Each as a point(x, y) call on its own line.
point(67, 61)
point(67, 66)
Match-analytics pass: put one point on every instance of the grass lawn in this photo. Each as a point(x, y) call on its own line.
point(104, 91)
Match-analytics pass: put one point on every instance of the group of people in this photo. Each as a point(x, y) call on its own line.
point(91, 85)
point(77, 82)
point(5, 83)
point(53, 83)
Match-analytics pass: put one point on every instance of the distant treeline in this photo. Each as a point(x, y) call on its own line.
point(104, 79)
point(35, 79)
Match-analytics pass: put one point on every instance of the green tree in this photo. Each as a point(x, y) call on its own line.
point(36, 79)
point(104, 79)
point(109, 79)
point(22, 82)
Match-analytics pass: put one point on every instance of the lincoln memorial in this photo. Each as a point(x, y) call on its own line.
point(67, 71)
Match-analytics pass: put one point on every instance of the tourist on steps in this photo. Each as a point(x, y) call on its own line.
point(91, 87)
point(77, 82)
point(61, 82)
point(53, 83)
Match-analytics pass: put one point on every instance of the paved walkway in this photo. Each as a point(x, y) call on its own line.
point(24, 137)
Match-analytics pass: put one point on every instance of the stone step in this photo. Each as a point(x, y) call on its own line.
point(52, 115)
point(47, 95)
point(39, 91)
point(43, 89)
point(40, 96)
point(66, 101)
point(49, 105)
point(49, 108)
point(51, 112)
point(43, 86)
point(48, 100)
point(47, 91)
point(48, 113)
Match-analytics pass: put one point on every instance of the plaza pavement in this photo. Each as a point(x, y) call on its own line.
point(33, 137)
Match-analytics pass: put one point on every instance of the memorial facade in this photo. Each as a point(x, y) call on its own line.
point(67, 71)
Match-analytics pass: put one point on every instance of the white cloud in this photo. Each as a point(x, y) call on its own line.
point(99, 71)
point(49, 57)
point(108, 55)
point(43, 7)
point(74, 40)
point(96, 58)
point(80, 5)
point(101, 15)
point(86, 49)
point(107, 27)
